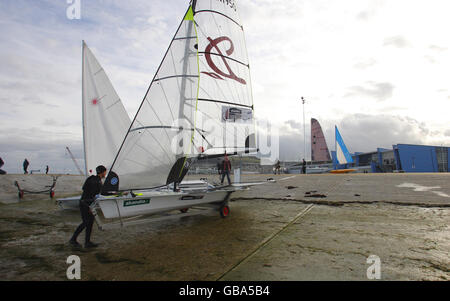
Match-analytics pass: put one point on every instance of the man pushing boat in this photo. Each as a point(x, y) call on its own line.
point(91, 188)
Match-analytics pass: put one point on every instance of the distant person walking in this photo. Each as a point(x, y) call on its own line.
point(278, 167)
point(25, 166)
point(91, 188)
point(2, 172)
point(226, 169)
point(47, 170)
point(304, 167)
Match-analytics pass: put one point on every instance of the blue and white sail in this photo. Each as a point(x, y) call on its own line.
point(342, 154)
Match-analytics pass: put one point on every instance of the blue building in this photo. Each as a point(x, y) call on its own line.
point(402, 158)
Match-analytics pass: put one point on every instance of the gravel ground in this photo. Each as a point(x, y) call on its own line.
point(276, 231)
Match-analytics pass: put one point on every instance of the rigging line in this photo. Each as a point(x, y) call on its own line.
point(95, 74)
point(219, 13)
point(146, 151)
point(148, 90)
point(159, 143)
point(140, 164)
point(112, 105)
point(167, 101)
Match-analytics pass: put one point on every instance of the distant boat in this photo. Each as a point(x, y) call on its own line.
point(320, 154)
point(343, 156)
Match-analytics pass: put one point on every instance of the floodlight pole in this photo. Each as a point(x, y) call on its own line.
point(304, 128)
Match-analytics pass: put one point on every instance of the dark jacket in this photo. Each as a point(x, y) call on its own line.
point(91, 188)
point(26, 163)
point(1, 162)
point(226, 166)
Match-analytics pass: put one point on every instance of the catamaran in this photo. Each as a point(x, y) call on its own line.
point(199, 105)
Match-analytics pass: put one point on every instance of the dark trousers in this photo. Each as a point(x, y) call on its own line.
point(88, 221)
point(226, 173)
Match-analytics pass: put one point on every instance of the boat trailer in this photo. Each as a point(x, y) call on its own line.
point(49, 189)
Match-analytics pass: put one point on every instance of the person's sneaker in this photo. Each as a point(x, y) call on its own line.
point(74, 243)
point(90, 245)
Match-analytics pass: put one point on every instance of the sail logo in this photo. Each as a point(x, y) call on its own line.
point(219, 74)
point(132, 203)
point(230, 3)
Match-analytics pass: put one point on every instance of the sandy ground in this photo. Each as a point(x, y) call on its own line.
point(275, 232)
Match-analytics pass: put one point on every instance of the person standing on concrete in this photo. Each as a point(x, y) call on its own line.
point(226, 169)
point(91, 188)
point(2, 172)
point(304, 167)
point(46, 170)
point(25, 166)
point(278, 168)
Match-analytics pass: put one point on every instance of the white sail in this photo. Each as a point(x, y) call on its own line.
point(105, 120)
point(199, 102)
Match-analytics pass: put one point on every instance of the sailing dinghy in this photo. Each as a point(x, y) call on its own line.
point(199, 105)
point(105, 120)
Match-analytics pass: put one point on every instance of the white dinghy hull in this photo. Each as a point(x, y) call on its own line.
point(155, 203)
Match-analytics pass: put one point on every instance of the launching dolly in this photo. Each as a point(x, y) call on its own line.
point(50, 189)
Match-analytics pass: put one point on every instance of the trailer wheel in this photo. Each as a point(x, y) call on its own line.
point(184, 210)
point(224, 211)
point(21, 194)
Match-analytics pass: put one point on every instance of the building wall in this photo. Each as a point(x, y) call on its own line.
point(418, 158)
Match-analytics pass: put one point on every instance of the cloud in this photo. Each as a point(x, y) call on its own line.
point(397, 41)
point(365, 64)
point(377, 91)
point(307, 48)
point(361, 133)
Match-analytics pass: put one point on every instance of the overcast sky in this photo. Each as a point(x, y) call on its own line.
point(380, 70)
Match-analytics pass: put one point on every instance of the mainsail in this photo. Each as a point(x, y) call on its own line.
point(319, 148)
point(105, 120)
point(342, 154)
point(198, 104)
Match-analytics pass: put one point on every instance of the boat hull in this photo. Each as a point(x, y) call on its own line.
point(155, 203)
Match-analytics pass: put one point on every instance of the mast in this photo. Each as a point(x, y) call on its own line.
point(83, 108)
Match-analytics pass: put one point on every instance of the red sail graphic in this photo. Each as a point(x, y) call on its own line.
point(213, 44)
point(319, 148)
